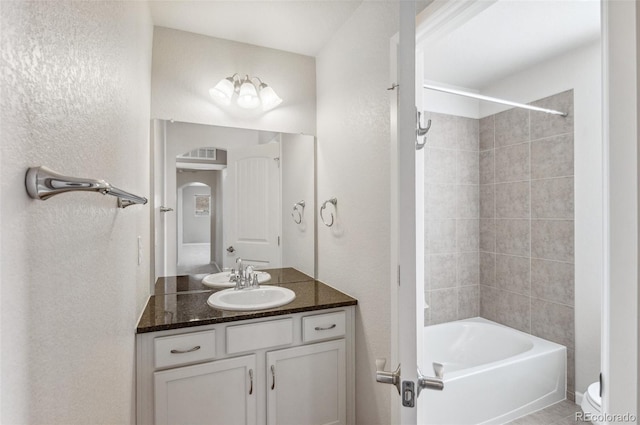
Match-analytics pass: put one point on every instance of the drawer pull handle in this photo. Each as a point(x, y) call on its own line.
point(251, 381)
point(273, 377)
point(326, 328)
point(196, 348)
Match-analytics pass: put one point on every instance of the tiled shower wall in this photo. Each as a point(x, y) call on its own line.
point(452, 211)
point(526, 222)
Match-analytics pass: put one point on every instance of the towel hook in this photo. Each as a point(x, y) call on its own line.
point(333, 201)
point(298, 208)
point(421, 131)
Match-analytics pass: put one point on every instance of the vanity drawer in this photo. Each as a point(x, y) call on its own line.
point(323, 326)
point(255, 336)
point(186, 348)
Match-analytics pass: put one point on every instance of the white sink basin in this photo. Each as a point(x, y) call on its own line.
point(221, 280)
point(251, 299)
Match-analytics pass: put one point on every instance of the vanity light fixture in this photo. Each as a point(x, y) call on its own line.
point(250, 95)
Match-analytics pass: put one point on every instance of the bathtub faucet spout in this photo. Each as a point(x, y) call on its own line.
point(432, 383)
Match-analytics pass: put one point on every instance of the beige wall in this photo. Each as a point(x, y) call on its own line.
point(75, 97)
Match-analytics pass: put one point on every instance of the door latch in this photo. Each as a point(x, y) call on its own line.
point(408, 394)
point(385, 377)
point(432, 383)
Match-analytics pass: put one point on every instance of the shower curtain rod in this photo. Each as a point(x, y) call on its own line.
point(493, 99)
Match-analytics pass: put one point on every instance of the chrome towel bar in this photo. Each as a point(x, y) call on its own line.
point(43, 183)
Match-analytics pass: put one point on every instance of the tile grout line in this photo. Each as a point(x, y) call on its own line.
point(457, 214)
point(530, 230)
point(495, 229)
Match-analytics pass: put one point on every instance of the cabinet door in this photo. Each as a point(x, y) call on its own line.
point(222, 392)
point(307, 385)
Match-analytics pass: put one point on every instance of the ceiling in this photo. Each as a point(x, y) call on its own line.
point(505, 37)
point(298, 26)
point(492, 38)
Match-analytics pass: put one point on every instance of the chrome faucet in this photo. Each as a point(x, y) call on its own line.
point(239, 263)
point(245, 277)
point(239, 278)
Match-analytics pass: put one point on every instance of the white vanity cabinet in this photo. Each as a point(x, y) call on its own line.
point(295, 369)
point(307, 385)
point(219, 393)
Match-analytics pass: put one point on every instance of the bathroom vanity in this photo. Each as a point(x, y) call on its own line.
point(288, 365)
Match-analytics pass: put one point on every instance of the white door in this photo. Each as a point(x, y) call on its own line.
point(407, 221)
point(216, 393)
point(307, 385)
point(252, 206)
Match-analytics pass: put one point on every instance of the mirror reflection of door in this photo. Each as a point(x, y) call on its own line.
point(252, 211)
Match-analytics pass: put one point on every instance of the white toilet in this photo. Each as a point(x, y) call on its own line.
point(591, 402)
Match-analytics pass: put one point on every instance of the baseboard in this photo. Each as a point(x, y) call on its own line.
point(579, 397)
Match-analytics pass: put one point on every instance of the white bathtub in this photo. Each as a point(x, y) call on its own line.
point(492, 373)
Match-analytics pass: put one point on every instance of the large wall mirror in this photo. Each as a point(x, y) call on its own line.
point(222, 193)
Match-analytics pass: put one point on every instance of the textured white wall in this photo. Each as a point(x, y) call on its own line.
point(75, 97)
point(353, 165)
point(298, 240)
point(187, 65)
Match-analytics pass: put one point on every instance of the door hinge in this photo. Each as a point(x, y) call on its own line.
point(408, 394)
point(398, 275)
point(278, 240)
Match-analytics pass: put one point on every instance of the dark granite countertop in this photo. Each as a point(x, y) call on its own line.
point(192, 283)
point(189, 308)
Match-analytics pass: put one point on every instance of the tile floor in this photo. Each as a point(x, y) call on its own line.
point(562, 413)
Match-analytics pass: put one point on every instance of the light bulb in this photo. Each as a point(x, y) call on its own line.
point(268, 97)
point(223, 91)
point(248, 96)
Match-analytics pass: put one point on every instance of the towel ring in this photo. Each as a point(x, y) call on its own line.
point(298, 208)
point(333, 201)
